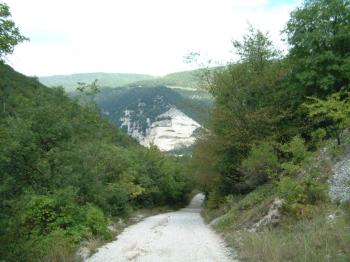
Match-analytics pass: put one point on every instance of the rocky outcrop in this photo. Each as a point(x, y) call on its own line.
point(339, 189)
point(271, 219)
point(171, 130)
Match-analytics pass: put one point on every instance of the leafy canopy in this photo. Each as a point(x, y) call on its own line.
point(332, 113)
point(9, 33)
point(319, 36)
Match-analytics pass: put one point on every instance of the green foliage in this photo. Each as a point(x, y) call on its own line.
point(89, 89)
point(256, 49)
point(202, 164)
point(318, 136)
point(319, 35)
point(95, 220)
point(248, 110)
point(69, 82)
point(331, 114)
point(317, 239)
point(261, 164)
point(295, 155)
point(242, 211)
point(301, 195)
point(296, 150)
point(256, 197)
point(261, 126)
point(270, 113)
point(186, 80)
point(10, 35)
point(215, 199)
point(65, 172)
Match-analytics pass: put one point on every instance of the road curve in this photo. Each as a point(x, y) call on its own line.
point(176, 236)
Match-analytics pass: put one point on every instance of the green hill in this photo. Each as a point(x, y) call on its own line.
point(66, 173)
point(186, 79)
point(69, 82)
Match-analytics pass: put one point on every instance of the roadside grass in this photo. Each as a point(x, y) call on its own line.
point(241, 211)
point(59, 250)
point(318, 239)
point(324, 237)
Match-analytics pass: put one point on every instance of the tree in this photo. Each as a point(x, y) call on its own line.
point(319, 37)
point(9, 33)
point(256, 49)
point(332, 113)
point(248, 106)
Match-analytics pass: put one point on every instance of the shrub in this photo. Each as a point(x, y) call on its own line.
point(56, 246)
point(214, 200)
point(95, 220)
point(256, 197)
point(117, 200)
point(318, 136)
point(296, 154)
point(261, 163)
point(300, 196)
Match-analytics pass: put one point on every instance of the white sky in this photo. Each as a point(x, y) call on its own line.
point(135, 36)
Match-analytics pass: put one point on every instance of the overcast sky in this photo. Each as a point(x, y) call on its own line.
point(135, 36)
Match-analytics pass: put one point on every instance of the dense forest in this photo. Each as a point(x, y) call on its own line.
point(274, 115)
point(65, 172)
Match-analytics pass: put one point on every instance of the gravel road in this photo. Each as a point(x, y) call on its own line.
point(177, 236)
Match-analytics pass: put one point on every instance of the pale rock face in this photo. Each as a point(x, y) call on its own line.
point(340, 182)
point(171, 130)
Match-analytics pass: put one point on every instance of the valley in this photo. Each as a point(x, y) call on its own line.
point(246, 158)
point(152, 112)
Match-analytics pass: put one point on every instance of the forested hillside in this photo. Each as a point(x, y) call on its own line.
point(65, 172)
point(187, 79)
point(278, 126)
point(69, 82)
point(150, 101)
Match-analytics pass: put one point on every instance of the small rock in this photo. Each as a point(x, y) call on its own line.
point(83, 253)
point(271, 219)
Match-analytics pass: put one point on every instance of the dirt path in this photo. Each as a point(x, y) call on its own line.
point(176, 236)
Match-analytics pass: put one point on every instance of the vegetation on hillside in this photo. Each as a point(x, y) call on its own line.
point(148, 102)
point(69, 82)
point(273, 119)
point(186, 79)
point(66, 173)
point(120, 92)
point(10, 35)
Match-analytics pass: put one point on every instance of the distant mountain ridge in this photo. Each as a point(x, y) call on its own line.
point(188, 79)
point(69, 82)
